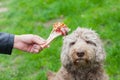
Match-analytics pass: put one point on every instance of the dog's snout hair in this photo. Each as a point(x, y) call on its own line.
point(82, 57)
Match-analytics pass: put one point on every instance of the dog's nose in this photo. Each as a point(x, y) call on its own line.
point(80, 54)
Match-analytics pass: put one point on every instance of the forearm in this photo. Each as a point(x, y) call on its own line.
point(6, 43)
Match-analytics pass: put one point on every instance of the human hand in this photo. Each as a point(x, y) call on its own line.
point(29, 43)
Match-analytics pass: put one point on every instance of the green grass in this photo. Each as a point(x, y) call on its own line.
point(29, 17)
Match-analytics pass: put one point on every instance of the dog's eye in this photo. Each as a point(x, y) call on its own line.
point(72, 43)
point(89, 42)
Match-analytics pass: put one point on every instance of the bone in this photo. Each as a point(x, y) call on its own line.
point(58, 30)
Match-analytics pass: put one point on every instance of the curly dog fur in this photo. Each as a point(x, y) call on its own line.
point(82, 57)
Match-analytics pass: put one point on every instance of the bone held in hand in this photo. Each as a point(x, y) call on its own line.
point(58, 29)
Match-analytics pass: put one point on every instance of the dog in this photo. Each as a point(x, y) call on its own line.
point(82, 57)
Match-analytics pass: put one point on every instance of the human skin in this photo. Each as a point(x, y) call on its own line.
point(29, 43)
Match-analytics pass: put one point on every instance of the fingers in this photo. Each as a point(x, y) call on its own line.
point(64, 31)
point(36, 48)
point(38, 40)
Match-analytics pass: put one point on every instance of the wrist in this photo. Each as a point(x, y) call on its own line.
point(16, 41)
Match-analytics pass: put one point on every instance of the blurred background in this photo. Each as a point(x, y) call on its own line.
point(38, 16)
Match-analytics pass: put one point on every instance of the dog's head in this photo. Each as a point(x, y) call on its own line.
point(81, 48)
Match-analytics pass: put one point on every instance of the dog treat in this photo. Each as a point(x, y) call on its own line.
point(58, 29)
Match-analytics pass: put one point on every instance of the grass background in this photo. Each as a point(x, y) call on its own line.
point(37, 17)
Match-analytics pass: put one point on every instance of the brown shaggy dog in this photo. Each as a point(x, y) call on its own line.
point(82, 57)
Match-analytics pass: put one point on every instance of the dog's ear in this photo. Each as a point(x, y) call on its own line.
point(50, 75)
point(100, 55)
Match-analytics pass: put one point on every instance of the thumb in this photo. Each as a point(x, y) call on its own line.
point(38, 40)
